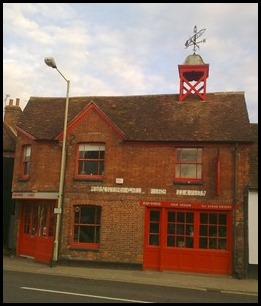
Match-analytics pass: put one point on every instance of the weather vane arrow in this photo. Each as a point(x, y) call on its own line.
point(193, 39)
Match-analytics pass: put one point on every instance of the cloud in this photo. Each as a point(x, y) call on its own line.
point(126, 48)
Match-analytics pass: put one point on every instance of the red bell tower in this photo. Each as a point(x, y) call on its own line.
point(194, 72)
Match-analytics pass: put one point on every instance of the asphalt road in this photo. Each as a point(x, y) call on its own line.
point(25, 287)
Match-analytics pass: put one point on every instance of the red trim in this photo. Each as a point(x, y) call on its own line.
point(25, 133)
point(187, 205)
point(80, 116)
point(218, 174)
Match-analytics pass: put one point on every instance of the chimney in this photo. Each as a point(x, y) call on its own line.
point(12, 113)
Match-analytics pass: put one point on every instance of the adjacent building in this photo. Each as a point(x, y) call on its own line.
point(154, 180)
point(252, 211)
point(11, 115)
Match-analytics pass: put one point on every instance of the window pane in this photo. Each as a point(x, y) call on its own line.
point(180, 229)
point(213, 243)
point(189, 242)
point(222, 232)
point(154, 215)
point(190, 217)
point(101, 170)
point(178, 170)
point(180, 242)
point(213, 218)
point(203, 230)
point(170, 241)
point(199, 153)
point(199, 171)
point(92, 155)
point(188, 171)
point(95, 147)
point(76, 234)
point(77, 214)
point(171, 228)
point(87, 215)
point(154, 240)
point(223, 219)
point(181, 217)
point(203, 218)
point(91, 168)
point(189, 154)
point(97, 235)
point(223, 244)
point(213, 231)
point(102, 154)
point(189, 230)
point(203, 243)
point(154, 227)
point(86, 234)
point(171, 216)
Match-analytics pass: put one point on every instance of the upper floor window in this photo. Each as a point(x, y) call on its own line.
point(86, 227)
point(90, 160)
point(26, 160)
point(188, 164)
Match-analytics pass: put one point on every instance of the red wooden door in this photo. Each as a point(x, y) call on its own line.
point(36, 233)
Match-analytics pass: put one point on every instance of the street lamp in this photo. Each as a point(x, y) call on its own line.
point(49, 61)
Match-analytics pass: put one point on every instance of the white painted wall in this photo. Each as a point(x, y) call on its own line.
point(253, 227)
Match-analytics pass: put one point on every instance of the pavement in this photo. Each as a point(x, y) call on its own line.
point(197, 281)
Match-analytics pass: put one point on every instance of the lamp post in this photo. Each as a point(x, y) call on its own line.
point(49, 61)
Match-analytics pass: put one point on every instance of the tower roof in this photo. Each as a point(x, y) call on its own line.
point(194, 59)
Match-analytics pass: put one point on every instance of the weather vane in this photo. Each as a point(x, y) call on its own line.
point(193, 39)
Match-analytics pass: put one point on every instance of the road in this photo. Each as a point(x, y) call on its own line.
point(25, 287)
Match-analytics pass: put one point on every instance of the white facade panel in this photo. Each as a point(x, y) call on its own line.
point(253, 227)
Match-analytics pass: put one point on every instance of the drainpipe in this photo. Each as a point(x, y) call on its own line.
point(234, 208)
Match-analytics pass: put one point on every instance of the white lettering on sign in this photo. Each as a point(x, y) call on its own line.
point(35, 195)
point(151, 203)
point(115, 189)
point(201, 193)
point(158, 191)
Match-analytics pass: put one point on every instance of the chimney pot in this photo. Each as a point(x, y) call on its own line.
point(17, 101)
point(11, 102)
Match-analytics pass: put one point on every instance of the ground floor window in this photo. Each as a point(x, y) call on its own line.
point(86, 227)
point(38, 219)
point(189, 229)
point(213, 231)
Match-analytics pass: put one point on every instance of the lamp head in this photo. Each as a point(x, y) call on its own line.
point(49, 61)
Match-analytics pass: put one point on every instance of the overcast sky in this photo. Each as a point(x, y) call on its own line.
point(127, 48)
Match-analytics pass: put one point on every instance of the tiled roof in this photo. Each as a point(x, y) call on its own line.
point(9, 138)
point(223, 117)
point(254, 157)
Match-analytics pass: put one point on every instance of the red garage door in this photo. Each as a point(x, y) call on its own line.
point(182, 240)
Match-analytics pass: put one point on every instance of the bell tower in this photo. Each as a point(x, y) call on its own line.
point(193, 72)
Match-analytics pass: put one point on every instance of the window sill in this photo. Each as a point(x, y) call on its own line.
point(23, 179)
point(187, 183)
point(87, 179)
point(84, 249)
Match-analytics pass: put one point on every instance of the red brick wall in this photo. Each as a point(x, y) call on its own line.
point(45, 165)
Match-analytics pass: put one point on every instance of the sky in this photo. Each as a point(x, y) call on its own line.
point(120, 49)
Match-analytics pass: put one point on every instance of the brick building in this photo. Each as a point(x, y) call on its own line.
point(154, 180)
point(252, 212)
point(11, 115)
